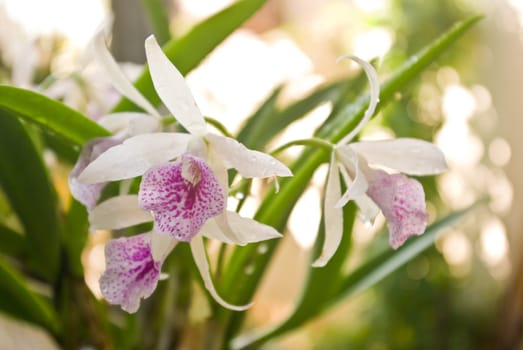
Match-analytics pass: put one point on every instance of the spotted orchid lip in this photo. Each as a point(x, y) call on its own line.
point(182, 195)
point(131, 272)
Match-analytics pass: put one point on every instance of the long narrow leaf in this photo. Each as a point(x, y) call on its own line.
point(364, 277)
point(19, 301)
point(25, 181)
point(11, 242)
point(53, 116)
point(275, 209)
point(187, 52)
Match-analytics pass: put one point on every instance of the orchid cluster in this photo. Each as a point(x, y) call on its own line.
point(184, 182)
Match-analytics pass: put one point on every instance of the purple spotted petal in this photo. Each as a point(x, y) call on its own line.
point(182, 196)
point(131, 273)
point(88, 194)
point(402, 201)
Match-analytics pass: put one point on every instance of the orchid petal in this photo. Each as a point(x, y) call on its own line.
point(118, 79)
point(161, 245)
point(333, 215)
point(358, 186)
point(406, 155)
point(182, 196)
point(249, 163)
point(88, 194)
point(133, 123)
point(200, 258)
point(368, 209)
point(131, 272)
point(374, 85)
point(172, 89)
point(118, 212)
point(134, 156)
point(245, 230)
point(402, 202)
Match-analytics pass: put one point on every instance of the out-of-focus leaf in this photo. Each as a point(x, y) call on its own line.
point(321, 284)
point(75, 236)
point(188, 51)
point(275, 209)
point(158, 18)
point(19, 301)
point(53, 116)
point(384, 264)
point(364, 277)
point(11, 242)
point(269, 121)
point(25, 181)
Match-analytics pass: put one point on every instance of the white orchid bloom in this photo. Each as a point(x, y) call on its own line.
point(122, 125)
point(400, 199)
point(183, 188)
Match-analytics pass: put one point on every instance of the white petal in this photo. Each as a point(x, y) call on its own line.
point(245, 230)
point(118, 79)
point(172, 89)
point(358, 185)
point(374, 84)
point(161, 245)
point(198, 253)
point(249, 163)
point(409, 156)
point(368, 209)
point(333, 215)
point(132, 123)
point(135, 156)
point(118, 212)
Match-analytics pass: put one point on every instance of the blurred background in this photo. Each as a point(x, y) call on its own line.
point(467, 291)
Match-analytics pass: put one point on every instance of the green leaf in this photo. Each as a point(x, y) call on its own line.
point(188, 51)
point(275, 209)
point(25, 181)
point(75, 235)
point(158, 18)
point(348, 117)
point(51, 115)
point(11, 242)
point(389, 261)
point(19, 301)
point(364, 277)
point(269, 121)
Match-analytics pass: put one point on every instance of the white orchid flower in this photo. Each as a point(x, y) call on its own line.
point(183, 188)
point(400, 199)
point(122, 125)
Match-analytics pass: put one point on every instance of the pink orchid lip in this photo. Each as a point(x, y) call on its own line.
point(88, 194)
point(402, 201)
point(131, 272)
point(182, 195)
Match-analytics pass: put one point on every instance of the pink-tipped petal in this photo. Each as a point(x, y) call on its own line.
point(88, 194)
point(131, 272)
point(402, 202)
point(182, 196)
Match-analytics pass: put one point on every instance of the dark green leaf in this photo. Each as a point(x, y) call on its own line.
point(53, 116)
point(19, 301)
point(25, 181)
point(11, 242)
point(75, 235)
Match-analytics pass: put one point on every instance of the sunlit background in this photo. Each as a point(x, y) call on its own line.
point(457, 295)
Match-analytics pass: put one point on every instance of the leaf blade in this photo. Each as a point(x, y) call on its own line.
point(51, 115)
